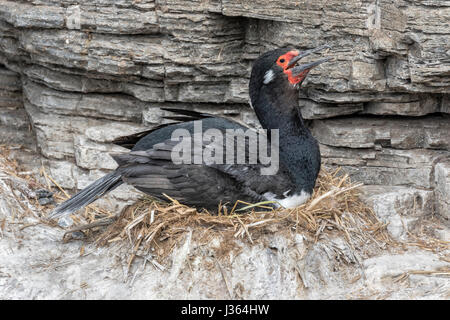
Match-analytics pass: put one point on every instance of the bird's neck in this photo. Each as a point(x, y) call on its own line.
point(280, 111)
point(297, 147)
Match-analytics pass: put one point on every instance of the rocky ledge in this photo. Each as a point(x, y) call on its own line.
point(75, 74)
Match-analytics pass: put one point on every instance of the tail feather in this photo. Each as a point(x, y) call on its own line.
point(88, 195)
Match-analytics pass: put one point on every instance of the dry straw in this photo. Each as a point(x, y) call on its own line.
point(152, 227)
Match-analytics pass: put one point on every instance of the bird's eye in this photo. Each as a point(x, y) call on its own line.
point(281, 60)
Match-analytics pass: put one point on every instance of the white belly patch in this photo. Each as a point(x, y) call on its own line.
point(291, 201)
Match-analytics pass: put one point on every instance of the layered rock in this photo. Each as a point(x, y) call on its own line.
point(14, 123)
point(442, 188)
point(84, 72)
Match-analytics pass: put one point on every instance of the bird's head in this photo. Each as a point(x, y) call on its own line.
point(280, 70)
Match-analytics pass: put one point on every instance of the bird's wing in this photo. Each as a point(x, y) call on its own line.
point(245, 164)
point(154, 173)
point(183, 115)
point(201, 184)
point(180, 115)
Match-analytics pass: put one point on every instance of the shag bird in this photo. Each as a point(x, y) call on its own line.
point(149, 167)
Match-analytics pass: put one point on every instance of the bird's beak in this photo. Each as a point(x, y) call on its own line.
point(299, 69)
point(296, 70)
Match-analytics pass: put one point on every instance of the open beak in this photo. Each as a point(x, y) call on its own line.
point(297, 70)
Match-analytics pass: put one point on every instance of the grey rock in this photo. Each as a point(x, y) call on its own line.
point(445, 104)
point(65, 222)
point(12, 136)
point(10, 90)
point(313, 110)
point(401, 207)
point(45, 201)
point(14, 118)
point(9, 80)
point(386, 166)
point(422, 106)
point(91, 155)
point(43, 193)
point(116, 107)
point(65, 173)
point(107, 132)
point(442, 189)
point(54, 133)
point(22, 15)
point(360, 132)
point(14, 122)
point(387, 267)
point(111, 19)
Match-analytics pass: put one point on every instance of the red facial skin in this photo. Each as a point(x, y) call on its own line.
point(283, 62)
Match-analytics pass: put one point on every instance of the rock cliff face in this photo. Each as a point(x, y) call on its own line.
point(85, 72)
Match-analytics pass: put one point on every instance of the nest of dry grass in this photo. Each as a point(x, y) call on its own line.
point(155, 228)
